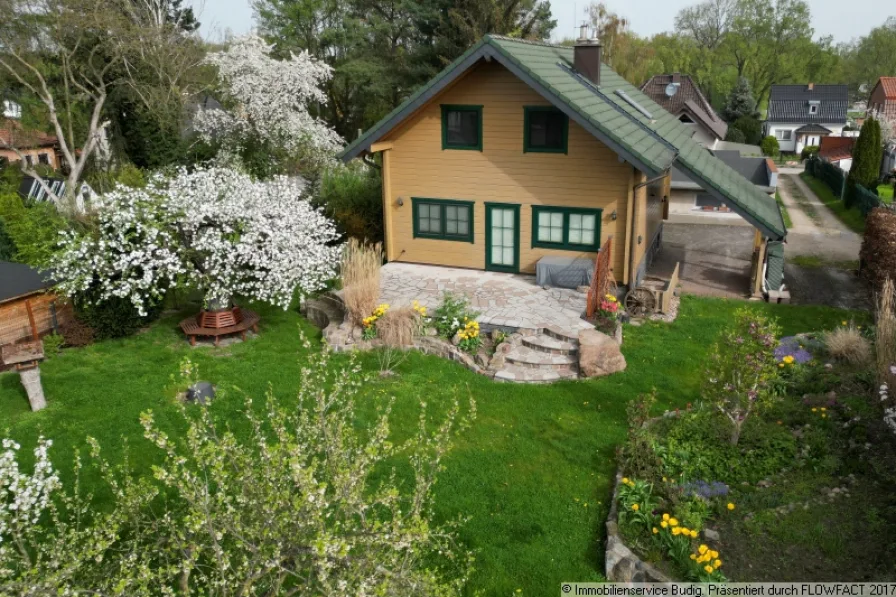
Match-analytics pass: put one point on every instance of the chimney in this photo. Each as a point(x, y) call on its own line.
point(587, 56)
point(811, 86)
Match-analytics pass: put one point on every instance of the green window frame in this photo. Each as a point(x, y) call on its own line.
point(447, 109)
point(528, 147)
point(443, 219)
point(565, 228)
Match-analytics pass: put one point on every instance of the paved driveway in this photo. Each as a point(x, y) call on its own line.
point(715, 261)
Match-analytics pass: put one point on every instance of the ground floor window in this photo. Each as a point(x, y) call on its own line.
point(43, 159)
point(443, 219)
point(783, 135)
point(569, 228)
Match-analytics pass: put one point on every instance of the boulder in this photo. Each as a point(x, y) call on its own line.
point(599, 354)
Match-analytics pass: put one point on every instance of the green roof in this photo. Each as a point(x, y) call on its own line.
point(613, 111)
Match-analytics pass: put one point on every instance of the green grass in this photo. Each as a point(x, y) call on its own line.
point(851, 217)
point(533, 474)
point(784, 213)
point(885, 191)
point(816, 261)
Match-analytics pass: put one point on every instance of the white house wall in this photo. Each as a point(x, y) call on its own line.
point(792, 146)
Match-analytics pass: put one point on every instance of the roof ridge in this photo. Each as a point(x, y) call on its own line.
point(531, 42)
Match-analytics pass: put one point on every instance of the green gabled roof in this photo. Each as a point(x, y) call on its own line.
point(652, 143)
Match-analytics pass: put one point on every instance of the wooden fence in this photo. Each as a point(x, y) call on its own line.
point(47, 312)
point(602, 279)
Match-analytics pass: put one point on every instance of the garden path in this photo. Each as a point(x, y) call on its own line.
point(505, 300)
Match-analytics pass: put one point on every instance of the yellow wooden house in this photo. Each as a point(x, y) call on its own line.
point(521, 150)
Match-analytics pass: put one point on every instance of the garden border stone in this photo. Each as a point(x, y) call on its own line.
point(620, 562)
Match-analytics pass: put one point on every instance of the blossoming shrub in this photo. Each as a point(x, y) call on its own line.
point(297, 505)
point(742, 369)
point(215, 230)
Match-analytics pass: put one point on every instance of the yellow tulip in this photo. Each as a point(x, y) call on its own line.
point(717, 563)
point(665, 517)
point(708, 569)
point(636, 507)
point(676, 531)
point(655, 530)
point(730, 506)
point(673, 522)
point(702, 549)
point(664, 524)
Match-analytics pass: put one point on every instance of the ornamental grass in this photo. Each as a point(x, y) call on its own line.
point(361, 278)
point(847, 344)
point(398, 327)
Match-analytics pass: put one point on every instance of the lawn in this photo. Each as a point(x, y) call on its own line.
point(533, 473)
point(885, 191)
point(851, 217)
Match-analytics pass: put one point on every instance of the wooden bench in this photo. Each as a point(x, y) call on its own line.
point(242, 321)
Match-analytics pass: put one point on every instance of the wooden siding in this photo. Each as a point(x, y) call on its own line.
point(590, 175)
point(14, 324)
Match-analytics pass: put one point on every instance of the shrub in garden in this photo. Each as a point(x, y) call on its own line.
point(847, 344)
point(742, 369)
point(750, 127)
point(866, 158)
point(808, 152)
point(32, 229)
point(449, 317)
point(735, 135)
point(295, 504)
point(113, 317)
point(352, 196)
point(878, 252)
point(76, 333)
point(770, 146)
point(361, 265)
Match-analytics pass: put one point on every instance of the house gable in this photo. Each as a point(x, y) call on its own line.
point(615, 112)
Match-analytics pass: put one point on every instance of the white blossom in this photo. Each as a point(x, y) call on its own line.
point(213, 229)
point(272, 99)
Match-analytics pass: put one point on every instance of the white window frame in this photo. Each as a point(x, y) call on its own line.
point(784, 134)
point(813, 109)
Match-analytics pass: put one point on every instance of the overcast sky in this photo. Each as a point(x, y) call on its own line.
point(829, 17)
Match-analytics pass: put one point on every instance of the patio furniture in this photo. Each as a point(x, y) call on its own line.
point(564, 272)
point(220, 323)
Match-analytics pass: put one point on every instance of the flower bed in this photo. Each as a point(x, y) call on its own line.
point(778, 472)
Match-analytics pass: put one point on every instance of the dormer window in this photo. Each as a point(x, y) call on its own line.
point(813, 107)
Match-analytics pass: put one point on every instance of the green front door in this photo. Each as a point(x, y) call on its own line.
point(502, 237)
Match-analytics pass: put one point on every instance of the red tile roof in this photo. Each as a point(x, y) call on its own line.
point(12, 134)
point(834, 149)
point(889, 85)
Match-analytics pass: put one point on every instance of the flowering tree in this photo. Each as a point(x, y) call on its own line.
point(214, 229)
point(271, 100)
point(298, 504)
point(742, 369)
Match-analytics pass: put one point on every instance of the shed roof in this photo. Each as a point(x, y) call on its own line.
point(609, 111)
point(753, 169)
point(688, 98)
point(13, 134)
point(18, 280)
point(790, 103)
point(889, 85)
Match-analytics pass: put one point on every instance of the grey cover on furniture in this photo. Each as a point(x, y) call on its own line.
point(564, 272)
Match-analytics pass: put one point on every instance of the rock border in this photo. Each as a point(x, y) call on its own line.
point(621, 564)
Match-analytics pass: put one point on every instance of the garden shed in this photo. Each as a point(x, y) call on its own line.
point(27, 305)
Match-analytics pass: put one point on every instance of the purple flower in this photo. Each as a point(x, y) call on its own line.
point(791, 346)
point(705, 490)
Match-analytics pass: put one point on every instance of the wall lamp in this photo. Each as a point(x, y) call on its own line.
point(400, 201)
point(613, 215)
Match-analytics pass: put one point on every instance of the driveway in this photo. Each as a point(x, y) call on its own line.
point(715, 261)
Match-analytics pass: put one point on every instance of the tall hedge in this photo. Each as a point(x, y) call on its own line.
point(866, 158)
point(878, 253)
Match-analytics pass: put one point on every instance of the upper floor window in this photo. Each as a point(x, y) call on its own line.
point(462, 127)
point(813, 108)
point(546, 129)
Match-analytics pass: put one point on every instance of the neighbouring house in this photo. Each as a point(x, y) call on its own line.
point(680, 96)
point(27, 304)
point(883, 97)
point(690, 203)
point(799, 116)
point(837, 151)
point(519, 150)
point(888, 163)
point(35, 147)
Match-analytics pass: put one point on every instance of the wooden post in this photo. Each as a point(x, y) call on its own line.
point(34, 334)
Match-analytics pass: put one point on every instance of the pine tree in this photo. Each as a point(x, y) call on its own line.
point(866, 157)
point(740, 102)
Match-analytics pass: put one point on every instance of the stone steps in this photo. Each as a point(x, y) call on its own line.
point(550, 345)
point(517, 374)
point(559, 334)
point(524, 356)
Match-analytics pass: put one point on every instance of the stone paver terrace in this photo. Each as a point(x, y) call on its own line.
point(506, 300)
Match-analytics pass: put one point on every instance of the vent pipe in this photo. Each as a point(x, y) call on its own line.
point(587, 56)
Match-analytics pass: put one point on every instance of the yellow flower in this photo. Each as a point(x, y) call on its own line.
point(788, 359)
point(685, 531)
point(713, 554)
point(823, 409)
point(717, 563)
point(665, 517)
point(655, 530)
point(625, 480)
point(814, 410)
point(781, 365)
point(664, 479)
point(702, 549)
point(673, 522)
point(824, 416)
point(693, 557)
point(708, 569)
point(843, 323)
point(730, 506)
point(693, 534)
point(676, 531)
point(664, 524)
point(636, 507)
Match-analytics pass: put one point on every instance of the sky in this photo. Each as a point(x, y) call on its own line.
point(647, 17)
